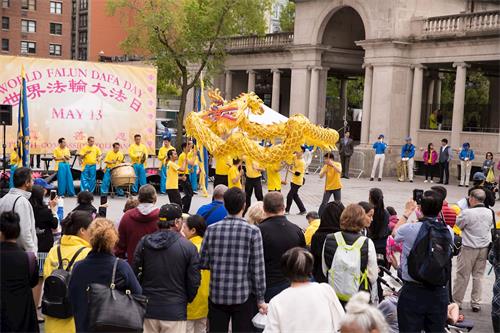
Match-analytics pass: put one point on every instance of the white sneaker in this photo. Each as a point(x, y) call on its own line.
point(425, 181)
point(432, 181)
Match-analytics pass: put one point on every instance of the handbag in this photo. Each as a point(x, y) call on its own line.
point(111, 310)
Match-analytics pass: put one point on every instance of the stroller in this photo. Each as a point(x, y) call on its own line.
point(389, 306)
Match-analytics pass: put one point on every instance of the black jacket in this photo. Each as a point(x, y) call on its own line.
point(45, 221)
point(170, 274)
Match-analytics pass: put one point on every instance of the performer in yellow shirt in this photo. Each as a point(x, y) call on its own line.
point(15, 162)
point(298, 170)
point(234, 174)
point(138, 155)
point(222, 165)
point(273, 178)
point(194, 167)
point(332, 170)
point(113, 158)
point(162, 157)
point(184, 182)
point(174, 172)
point(253, 181)
point(90, 155)
point(62, 156)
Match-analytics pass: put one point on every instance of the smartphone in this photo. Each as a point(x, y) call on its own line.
point(53, 194)
point(103, 210)
point(417, 196)
point(104, 199)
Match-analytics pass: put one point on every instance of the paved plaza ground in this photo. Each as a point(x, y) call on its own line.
point(355, 190)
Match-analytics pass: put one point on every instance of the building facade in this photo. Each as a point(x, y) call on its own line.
point(404, 51)
point(36, 28)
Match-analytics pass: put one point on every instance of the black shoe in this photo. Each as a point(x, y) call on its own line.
point(411, 181)
point(460, 185)
point(302, 212)
point(446, 183)
point(371, 179)
point(380, 179)
point(346, 177)
point(440, 182)
point(476, 308)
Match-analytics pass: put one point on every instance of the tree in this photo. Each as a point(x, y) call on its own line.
point(287, 17)
point(184, 37)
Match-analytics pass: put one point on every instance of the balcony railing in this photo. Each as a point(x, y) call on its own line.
point(462, 23)
point(269, 42)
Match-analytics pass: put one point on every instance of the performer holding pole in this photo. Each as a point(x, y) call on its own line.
point(298, 170)
point(15, 162)
point(138, 155)
point(89, 157)
point(113, 158)
point(62, 156)
point(184, 182)
point(162, 157)
point(173, 174)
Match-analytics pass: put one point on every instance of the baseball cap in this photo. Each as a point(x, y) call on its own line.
point(479, 176)
point(170, 212)
point(41, 182)
point(381, 136)
point(408, 138)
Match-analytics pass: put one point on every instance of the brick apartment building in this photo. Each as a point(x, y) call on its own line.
point(40, 28)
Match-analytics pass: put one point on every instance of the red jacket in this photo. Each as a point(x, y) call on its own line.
point(133, 226)
point(449, 215)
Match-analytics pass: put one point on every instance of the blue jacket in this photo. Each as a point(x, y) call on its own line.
point(408, 150)
point(97, 268)
point(466, 153)
point(216, 210)
point(379, 147)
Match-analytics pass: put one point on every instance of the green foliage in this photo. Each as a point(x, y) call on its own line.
point(477, 89)
point(354, 90)
point(287, 17)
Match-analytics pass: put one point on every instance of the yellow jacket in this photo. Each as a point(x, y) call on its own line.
point(198, 308)
point(69, 246)
point(311, 230)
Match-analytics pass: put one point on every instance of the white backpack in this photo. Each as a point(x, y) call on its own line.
point(345, 274)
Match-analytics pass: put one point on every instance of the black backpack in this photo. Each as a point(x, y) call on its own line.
point(55, 301)
point(429, 261)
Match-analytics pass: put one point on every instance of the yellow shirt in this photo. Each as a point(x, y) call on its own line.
point(14, 159)
point(136, 153)
point(192, 158)
point(221, 165)
point(59, 155)
point(162, 154)
point(69, 246)
point(232, 174)
point(251, 171)
point(182, 159)
point(311, 230)
point(198, 308)
point(172, 176)
point(92, 157)
point(273, 178)
point(112, 156)
point(332, 181)
point(298, 166)
point(433, 121)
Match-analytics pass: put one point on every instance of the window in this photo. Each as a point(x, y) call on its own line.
point(82, 37)
point(5, 44)
point(28, 47)
point(82, 54)
point(83, 4)
point(28, 26)
point(55, 7)
point(5, 3)
point(5, 23)
point(83, 21)
point(28, 4)
point(55, 49)
point(56, 29)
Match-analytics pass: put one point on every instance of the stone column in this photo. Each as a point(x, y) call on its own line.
point(416, 100)
point(229, 85)
point(457, 123)
point(437, 90)
point(314, 94)
point(323, 77)
point(430, 91)
point(343, 98)
point(367, 101)
point(275, 98)
point(251, 80)
point(299, 90)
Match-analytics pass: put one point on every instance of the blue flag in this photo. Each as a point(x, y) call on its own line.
point(23, 130)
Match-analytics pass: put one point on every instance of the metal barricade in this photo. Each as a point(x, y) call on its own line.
point(357, 163)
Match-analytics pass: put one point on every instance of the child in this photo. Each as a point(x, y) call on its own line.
point(313, 220)
point(234, 174)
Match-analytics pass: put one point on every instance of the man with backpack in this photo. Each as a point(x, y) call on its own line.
point(425, 266)
point(476, 224)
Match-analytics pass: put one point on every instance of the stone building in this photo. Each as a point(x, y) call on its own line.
point(402, 48)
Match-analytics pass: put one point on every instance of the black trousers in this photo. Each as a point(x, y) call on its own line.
point(326, 198)
point(187, 189)
point(220, 179)
point(293, 195)
point(444, 172)
point(174, 196)
point(421, 308)
point(32, 160)
point(252, 184)
point(240, 315)
point(429, 171)
point(344, 161)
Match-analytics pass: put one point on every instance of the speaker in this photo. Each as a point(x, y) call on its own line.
point(6, 114)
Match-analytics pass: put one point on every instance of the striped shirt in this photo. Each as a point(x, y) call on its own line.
point(233, 252)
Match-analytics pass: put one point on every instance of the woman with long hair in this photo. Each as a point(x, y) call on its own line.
point(329, 224)
point(430, 158)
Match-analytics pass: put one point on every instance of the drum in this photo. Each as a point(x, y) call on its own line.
point(123, 175)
